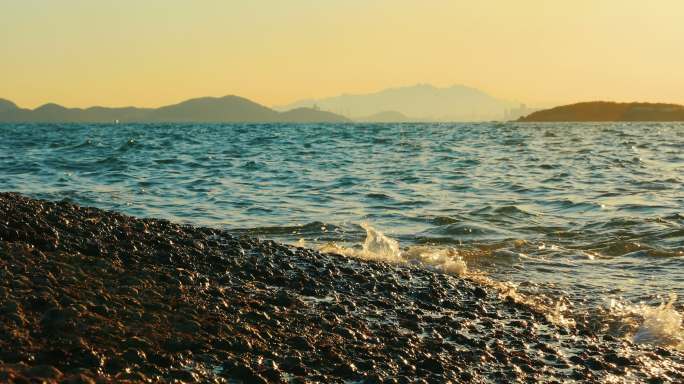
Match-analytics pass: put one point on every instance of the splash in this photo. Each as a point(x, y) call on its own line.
point(557, 311)
point(643, 324)
point(559, 314)
point(301, 243)
point(449, 260)
point(378, 246)
point(662, 325)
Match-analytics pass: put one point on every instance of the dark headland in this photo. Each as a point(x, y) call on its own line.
point(227, 109)
point(93, 296)
point(597, 111)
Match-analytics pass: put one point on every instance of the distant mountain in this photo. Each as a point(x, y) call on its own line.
point(211, 109)
point(385, 117)
point(608, 111)
point(201, 110)
point(6, 105)
point(421, 102)
point(310, 115)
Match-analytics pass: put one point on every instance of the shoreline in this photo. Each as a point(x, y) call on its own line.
point(99, 296)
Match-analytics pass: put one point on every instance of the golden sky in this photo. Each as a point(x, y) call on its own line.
point(154, 52)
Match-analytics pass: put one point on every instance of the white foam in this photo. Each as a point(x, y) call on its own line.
point(378, 246)
point(662, 325)
point(447, 260)
point(300, 243)
point(656, 325)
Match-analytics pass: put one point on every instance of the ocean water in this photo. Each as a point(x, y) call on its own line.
point(584, 219)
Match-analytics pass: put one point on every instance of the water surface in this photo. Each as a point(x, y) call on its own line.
point(590, 212)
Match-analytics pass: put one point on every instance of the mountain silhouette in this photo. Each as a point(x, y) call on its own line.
point(310, 115)
point(6, 105)
point(386, 117)
point(608, 111)
point(421, 102)
point(211, 109)
point(201, 110)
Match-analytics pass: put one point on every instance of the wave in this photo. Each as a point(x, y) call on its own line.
point(377, 246)
point(644, 324)
point(662, 325)
point(470, 230)
point(86, 143)
point(315, 228)
point(128, 145)
point(655, 325)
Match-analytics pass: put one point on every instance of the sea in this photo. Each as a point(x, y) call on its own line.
point(583, 220)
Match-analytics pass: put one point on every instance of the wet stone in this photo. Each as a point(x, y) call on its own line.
point(300, 343)
point(345, 369)
point(57, 319)
point(43, 372)
point(134, 356)
point(293, 365)
point(184, 375)
point(432, 365)
point(79, 378)
point(52, 356)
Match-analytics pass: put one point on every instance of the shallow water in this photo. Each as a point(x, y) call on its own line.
point(585, 212)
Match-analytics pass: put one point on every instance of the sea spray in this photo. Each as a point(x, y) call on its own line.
point(448, 260)
point(378, 246)
point(662, 325)
point(642, 323)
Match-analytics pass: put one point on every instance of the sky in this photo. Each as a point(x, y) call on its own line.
point(150, 53)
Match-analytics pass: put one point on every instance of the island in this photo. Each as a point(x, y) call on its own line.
point(597, 111)
point(226, 109)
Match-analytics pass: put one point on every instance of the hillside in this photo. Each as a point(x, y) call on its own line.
point(211, 109)
point(420, 102)
point(608, 111)
point(6, 105)
point(310, 115)
point(202, 110)
point(385, 117)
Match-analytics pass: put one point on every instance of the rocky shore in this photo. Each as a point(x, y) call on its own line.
point(93, 296)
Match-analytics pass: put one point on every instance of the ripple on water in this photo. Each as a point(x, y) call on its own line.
point(605, 200)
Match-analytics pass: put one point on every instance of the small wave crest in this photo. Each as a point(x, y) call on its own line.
point(661, 325)
point(314, 229)
point(128, 145)
point(378, 246)
point(644, 324)
point(449, 260)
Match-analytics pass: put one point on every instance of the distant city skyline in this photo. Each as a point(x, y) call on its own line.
point(80, 53)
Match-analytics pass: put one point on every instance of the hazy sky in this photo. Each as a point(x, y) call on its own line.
point(154, 52)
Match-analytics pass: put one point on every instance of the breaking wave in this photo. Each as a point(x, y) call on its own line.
point(643, 324)
point(378, 246)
